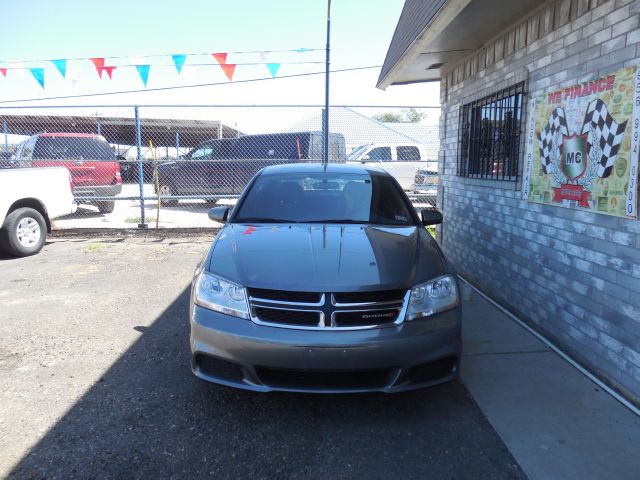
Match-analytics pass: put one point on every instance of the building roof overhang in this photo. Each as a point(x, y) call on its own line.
point(433, 34)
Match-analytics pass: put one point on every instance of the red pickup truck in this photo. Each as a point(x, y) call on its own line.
point(89, 158)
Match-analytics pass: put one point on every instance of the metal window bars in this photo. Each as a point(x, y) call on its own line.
point(489, 135)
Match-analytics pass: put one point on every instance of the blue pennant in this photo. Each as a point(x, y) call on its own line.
point(143, 70)
point(273, 68)
point(61, 65)
point(38, 74)
point(179, 60)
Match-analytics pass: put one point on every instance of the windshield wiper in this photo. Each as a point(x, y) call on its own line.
point(262, 220)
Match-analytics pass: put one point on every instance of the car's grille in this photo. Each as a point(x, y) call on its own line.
point(285, 295)
point(289, 317)
point(327, 311)
point(367, 297)
point(365, 317)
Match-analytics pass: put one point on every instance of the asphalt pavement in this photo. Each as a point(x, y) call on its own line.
point(95, 383)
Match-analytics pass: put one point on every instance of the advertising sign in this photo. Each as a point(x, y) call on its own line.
point(582, 145)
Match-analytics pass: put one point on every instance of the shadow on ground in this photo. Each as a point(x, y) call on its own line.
point(148, 416)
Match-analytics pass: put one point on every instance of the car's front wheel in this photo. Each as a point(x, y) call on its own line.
point(24, 232)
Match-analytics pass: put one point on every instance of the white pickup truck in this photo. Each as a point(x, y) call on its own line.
point(29, 199)
point(402, 160)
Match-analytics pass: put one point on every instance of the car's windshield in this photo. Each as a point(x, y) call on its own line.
point(324, 197)
point(355, 153)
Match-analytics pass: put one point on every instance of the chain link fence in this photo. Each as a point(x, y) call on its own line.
point(165, 166)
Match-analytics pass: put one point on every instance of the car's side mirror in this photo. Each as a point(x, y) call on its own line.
point(364, 159)
point(431, 217)
point(219, 214)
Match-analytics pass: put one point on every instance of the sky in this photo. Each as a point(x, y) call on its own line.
point(149, 32)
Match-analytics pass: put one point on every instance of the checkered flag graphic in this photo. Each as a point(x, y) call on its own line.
point(607, 135)
point(557, 122)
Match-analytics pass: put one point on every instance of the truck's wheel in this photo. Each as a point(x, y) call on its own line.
point(24, 232)
point(106, 207)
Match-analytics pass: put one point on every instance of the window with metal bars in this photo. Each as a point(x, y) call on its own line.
point(489, 135)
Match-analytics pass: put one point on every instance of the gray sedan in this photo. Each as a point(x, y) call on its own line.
point(323, 279)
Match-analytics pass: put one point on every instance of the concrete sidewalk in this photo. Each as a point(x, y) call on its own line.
point(556, 422)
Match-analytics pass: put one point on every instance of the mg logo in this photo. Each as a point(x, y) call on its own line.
point(573, 156)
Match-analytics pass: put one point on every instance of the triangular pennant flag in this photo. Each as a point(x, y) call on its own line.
point(178, 61)
point(109, 71)
point(38, 74)
point(3, 71)
point(228, 69)
point(143, 70)
point(99, 64)
point(74, 76)
point(273, 68)
point(61, 65)
point(220, 57)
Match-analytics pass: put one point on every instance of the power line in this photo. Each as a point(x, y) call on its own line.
point(178, 87)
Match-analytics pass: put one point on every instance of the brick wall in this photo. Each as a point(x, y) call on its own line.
point(571, 274)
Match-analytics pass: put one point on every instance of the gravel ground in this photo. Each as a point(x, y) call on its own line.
point(95, 383)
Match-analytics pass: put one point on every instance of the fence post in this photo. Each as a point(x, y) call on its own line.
point(98, 129)
point(325, 134)
point(177, 145)
point(142, 223)
point(6, 135)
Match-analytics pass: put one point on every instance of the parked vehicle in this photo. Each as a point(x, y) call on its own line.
point(401, 160)
point(426, 182)
point(29, 199)
point(225, 166)
point(89, 158)
point(324, 280)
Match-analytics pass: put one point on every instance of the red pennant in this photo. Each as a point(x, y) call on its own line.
point(98, 62)
point(220, 57)
point(228, 69)
point(3, 71)
point(101, 67)
point(110, 70)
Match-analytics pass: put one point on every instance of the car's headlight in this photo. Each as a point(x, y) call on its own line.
point(221, 296)
point(437, 295)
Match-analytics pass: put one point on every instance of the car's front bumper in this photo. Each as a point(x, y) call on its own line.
point(240, 353)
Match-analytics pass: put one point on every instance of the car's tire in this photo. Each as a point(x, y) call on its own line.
point(24, 232)
point(106, 207)
point(166, 191)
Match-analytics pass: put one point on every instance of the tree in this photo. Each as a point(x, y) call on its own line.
point(388, 117)
point(408, 115)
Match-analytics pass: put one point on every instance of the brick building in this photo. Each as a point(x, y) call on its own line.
point(539, 161)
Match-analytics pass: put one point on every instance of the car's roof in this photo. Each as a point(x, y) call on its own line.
point(319, 167)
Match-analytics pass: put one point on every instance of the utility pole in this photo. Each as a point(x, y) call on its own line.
point(325, 117)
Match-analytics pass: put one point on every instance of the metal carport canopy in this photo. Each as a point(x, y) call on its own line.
point(122, 130)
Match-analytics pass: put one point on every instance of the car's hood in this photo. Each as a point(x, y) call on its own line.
point(329, 258)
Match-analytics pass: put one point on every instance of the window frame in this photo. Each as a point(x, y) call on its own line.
point(490, 149)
